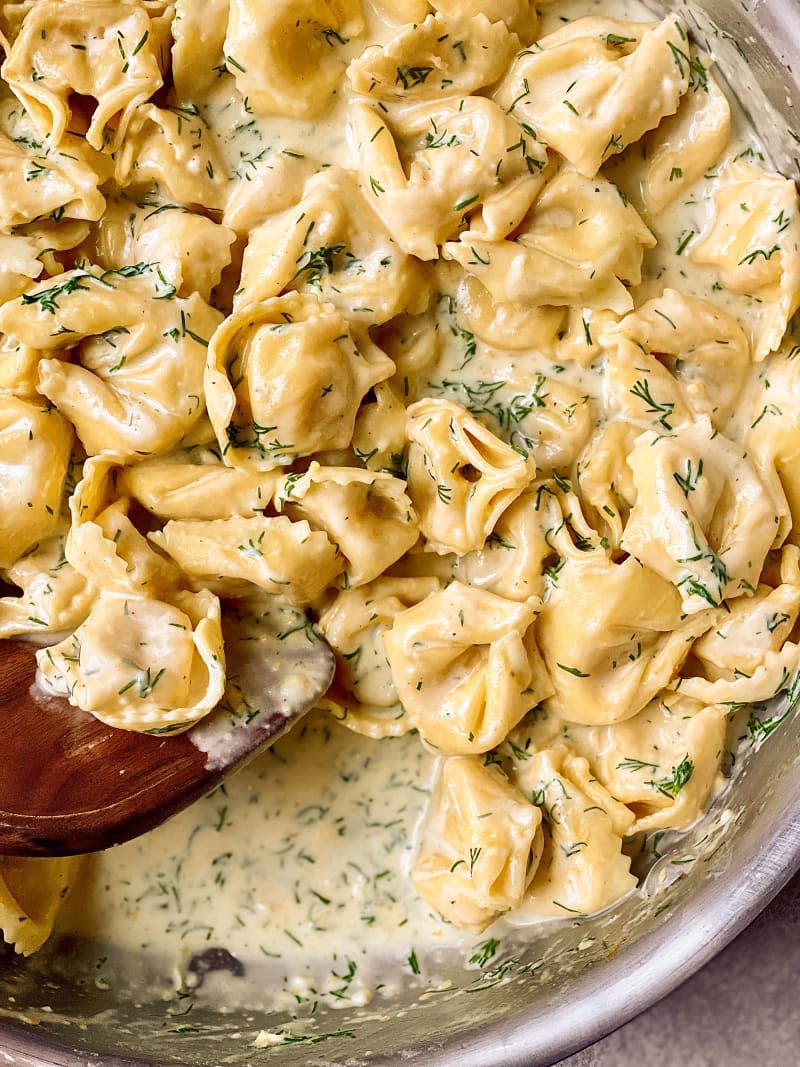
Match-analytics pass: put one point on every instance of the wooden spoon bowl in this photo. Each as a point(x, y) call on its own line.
point(71, 784)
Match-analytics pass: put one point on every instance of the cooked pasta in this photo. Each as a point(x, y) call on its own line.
point(468, 332)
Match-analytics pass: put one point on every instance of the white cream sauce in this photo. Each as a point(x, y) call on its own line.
point(302, 858)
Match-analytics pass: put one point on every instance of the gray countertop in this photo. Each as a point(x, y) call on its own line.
point(740, 1010)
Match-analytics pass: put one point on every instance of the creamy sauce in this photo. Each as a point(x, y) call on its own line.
point(301, 861)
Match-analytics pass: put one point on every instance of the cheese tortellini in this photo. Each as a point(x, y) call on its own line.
point(465, 667)
point(138, 386)
point(466, 158)
point(332, 244)
point(583, 868)
point(367, 515)
point(753, 239)
point(35, 447)
point(300, 379)
point(103, 49)
point(567, 251)
point(461, 477)
point(274, 554)
point(704, 349)
point(363, 696)
point(168, 147)
point(597, 85)
point(54, 596)
point(35, 185)
point(142, 664)
point(463, 332)
point(483, 844)
point(31, 892)
point(702, 517)
point(612, 635)
point(440, 56)
point(283, 55)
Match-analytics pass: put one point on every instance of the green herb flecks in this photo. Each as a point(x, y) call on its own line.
point(641, 390)
point(689, 481)
point(631, 764)
point(676, 780)
point(690, 67)
point(409, 77)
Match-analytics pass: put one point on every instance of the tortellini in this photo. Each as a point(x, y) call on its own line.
point(104, 49)
point(772, 677)
point(753, 627)
point(481, 847)
point(34, 186)
point(196, 487)
point(403, 10)
point(465, 667)
point(606, 481)
point(753, 238)
point(773, 436)
point(506, 325)
point(578, 244)
point(332, 245)
point(35, 447)
point(440, 56)
point(702, 518)
point(274, 554)
point(31, 892)
point(379, 434)
point(511, 563)
point(539, 416)
point(104, 545)
point(519, 15)
point(461, 477)
point(704, 349)
point(466, 160)
point(192, 251)
point(20, 264)
point(284, 55)
point(612, 636)
point(142, 664)
point(197, 29)
point(273, 181)
point(662, 763)
point(583, 868)
point(299, 376)
point(595, 86)
point(54, 596)
point(681, 149)
point(138, 387)
point(363, 695)
point(172, 147)
point(366, 514)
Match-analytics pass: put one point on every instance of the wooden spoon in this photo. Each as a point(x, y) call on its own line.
point(70, 784)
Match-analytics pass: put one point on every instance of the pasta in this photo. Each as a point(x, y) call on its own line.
point(587, 253)
point(117, 65)
point(281, 55)
point(31, 892)
point(464, 332)
point(475, 867)
point(461, 166)
point(301, 378)
point(579, 104)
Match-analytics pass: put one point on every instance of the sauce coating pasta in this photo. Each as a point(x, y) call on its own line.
point(470, 336)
